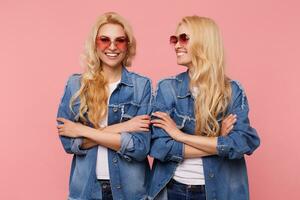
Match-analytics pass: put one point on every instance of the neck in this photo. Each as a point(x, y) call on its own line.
point(113, 74)
point(190, 72)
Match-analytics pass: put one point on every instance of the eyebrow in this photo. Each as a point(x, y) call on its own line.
point(110, 37)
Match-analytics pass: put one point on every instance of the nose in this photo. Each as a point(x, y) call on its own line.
point(177, 45)
point(112, 46)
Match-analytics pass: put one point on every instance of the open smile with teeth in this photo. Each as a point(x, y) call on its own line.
point(180, 53)
point(112, 55)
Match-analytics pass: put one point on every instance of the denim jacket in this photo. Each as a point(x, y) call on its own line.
point(128, 168)
point(225, 173)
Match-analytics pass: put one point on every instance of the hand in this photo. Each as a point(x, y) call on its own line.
point(70, 129)
point(137, 124)
point(165, 122)
point(227, 124)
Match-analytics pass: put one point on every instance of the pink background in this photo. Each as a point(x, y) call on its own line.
point(40, 46)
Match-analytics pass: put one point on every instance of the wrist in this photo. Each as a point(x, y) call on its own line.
point(122, 126)
point(125, 127)
point(179, 136)
point(87, 131)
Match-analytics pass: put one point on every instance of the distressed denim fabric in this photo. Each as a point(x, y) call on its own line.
point(129, 168)
point(225, 173)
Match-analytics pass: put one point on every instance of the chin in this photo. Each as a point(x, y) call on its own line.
point(179, 62)
point(112, 63)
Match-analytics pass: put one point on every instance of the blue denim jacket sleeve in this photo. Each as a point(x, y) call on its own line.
point(71, 145)
point(136, 145)
point(163, 147)
point(243, 139)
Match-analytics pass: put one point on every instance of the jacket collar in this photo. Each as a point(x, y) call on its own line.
point(125, 77)
point(184, 80)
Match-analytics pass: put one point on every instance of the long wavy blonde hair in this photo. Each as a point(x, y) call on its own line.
point(207, 74)
point(93, 92)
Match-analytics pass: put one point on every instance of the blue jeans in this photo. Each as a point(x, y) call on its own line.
point(106, 190)
point(180, 191)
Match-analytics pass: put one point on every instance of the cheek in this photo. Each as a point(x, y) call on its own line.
point(100, 54)
point(184, 60)
point(188, 57)
point(122, 47)
point(122, 55)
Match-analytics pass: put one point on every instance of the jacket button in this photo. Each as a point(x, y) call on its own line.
point(115, 160)
point(115, 109)
point(211, 175)
point(118, 186)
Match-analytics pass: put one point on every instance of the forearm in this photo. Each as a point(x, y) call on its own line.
point(203, 143)
point(112, 129)
point(87, 144)
point(118, 128)
point(110, 140)
point(192, 152)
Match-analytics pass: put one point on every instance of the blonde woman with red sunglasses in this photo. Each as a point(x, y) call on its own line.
point(193, 157)
point(103, 118)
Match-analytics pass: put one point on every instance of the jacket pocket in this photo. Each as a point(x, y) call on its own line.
point(183, 122)
point(128, 111)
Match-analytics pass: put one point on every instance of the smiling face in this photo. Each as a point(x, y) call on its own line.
point(111, 45)
point(182, 47)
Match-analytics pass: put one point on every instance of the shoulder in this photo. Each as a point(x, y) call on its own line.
point(238, 94)
point(170, 82)
point(74, 78)
point(237, 88)
point(73, 83)
point(139, 79)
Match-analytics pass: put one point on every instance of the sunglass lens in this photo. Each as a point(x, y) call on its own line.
point(173, 40)
point(183, 38)
point(121, 43)
point(103, 42)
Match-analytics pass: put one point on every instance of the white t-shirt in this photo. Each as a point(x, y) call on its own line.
point(102, 170)
point(190, 171)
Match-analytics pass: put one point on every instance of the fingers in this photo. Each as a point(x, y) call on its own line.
point(148, 122)
point(229, 129)
point(229, 120)
point(60, 129)
point(159, 125)
point(158, 122)
point(60, 126)
point(144, 125)
point(162, 115)
point(143, 117)
point(60, 119)
point(144, 120)
point(228, 124)
point(144, 129)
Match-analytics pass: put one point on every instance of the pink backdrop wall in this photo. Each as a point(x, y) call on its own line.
point(40, 45)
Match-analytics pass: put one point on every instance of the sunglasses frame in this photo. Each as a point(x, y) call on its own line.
point(182, 38)
point(121, 45)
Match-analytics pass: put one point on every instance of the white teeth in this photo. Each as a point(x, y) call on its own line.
point(180, 53)
point(112, 54)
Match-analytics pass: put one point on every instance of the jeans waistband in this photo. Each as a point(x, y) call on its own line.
point(105, 184)
point(199, 188)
